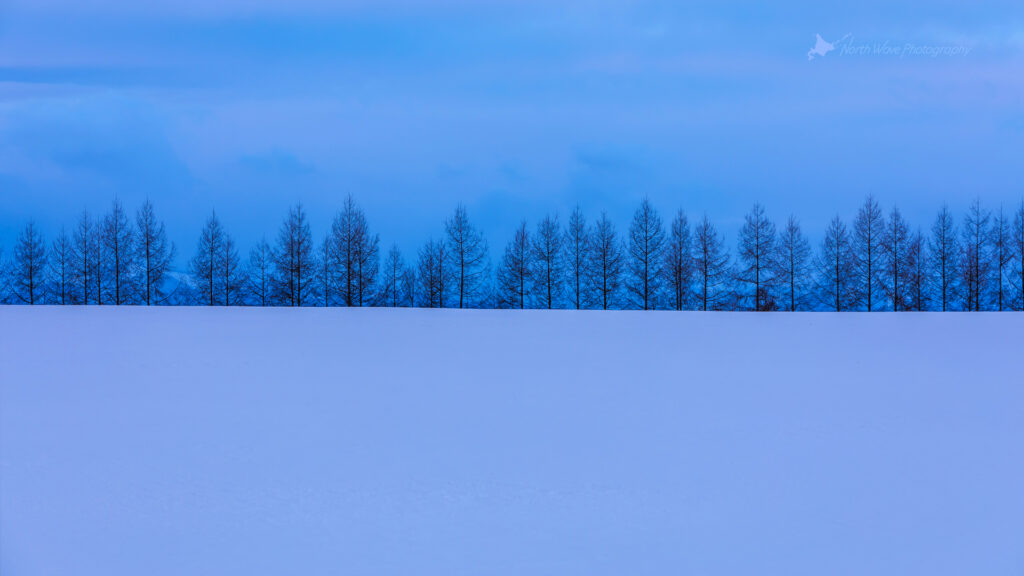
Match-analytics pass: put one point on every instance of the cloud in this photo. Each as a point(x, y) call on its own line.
point(103, 139)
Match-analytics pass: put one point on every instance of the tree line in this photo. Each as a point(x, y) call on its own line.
point(876, 262)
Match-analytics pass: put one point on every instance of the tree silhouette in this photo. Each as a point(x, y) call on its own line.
point(467, 251)
point(28, 267)
point(549, 267)
point(711, 267)
point(836, 268)
point(945, 253)
point(757, 259)
point(678, 266)
point(606, 263)
point(646, 242)
point(515, 274)
point(868, 231)
point(294, 279)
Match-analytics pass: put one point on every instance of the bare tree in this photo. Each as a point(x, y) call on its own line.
point(976, 256)
point(393, 292)
point(836, 268)
point(28, 267)
point(216, 267)
point(409, 286)
point(207, 264)
point(294, 279)
point(757, 259)
point(549, 267)
point(895, 247)
point(85, 251)
point(515, 274)
point(355, 256)
point(154, 255)
point(469, 264)
point(917, 298)
point(605, 266)
point(678, 265)
point(367, 268)
point(711, 265)
point(326, 274)
point(1017, 243)
point(117, 242)
point(434, 274)
point(646, 246)
point(4, 285)
point(61, 270)
point(577, 255)
point(945, 252)
point(101, 266)
point(868, 233)
point(793, 266)
point(232, 275)
point(259, 274)
point(1002, 256)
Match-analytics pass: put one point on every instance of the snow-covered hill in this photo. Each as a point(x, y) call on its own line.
point(193, 441)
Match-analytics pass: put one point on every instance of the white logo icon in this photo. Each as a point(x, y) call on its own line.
point(821, 47)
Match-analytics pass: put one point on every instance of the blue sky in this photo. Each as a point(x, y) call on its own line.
point(515, 108)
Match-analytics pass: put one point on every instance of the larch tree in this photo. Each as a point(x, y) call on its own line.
point(100, 266)
point(548, 264)
point(756, 253)
point(1017, 244)
point(61, 270)
point(793, 266)
point(355, 256)
point(1002, 260)
point(4, 288)
point(118, 246)
point(645, 257)
point(207, 264)
point(295, 268)
point(468, 255)
point(606, 263)
point(326, 274)
point(434, 276)
point(678, 265)
point(835, 266)
point(367, 269)
point(577, 257)
point(393, 287)
point(895, 247)
point(942, 266)
point(868, 236)
point(711, 267)
point(153, 254)
point(84, 256)
point(232, 274)
point(28, 267)
point(976, 256)
point(409, 286)
point(259, 274)
point(514, 276)
point(917, 297)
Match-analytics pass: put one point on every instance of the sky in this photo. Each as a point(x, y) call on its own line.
point(513, 108)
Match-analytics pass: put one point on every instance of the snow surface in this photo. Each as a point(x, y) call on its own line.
point(194, 441)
